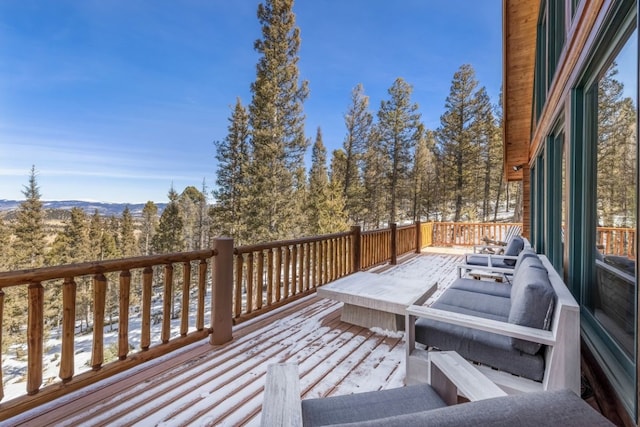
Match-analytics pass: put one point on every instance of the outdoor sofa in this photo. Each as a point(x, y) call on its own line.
point(524, 332)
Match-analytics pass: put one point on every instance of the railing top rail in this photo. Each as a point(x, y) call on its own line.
point(406, 227)
point(281, 243)
point(35, 275)
point(377, 231)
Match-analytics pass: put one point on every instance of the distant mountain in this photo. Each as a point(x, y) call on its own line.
point(105, 209)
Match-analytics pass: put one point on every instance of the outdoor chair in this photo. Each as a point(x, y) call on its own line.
point(421, 405)
point(494, 245)
point(507, 260)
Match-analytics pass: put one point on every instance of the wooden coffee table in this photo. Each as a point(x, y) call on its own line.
point(374, 300)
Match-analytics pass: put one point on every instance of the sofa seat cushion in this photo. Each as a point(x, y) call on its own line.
point(477, 301)
point(532, 302)
point(539, 409)
point(363, 407)
point(482, 287)
point(483, 261)
point(479, 346)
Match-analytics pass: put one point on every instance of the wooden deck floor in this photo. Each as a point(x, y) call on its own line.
point(205, 385)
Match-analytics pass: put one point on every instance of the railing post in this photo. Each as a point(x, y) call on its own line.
point(418, 236)
point(355, 247)
point(394, 243)
point(222, 292)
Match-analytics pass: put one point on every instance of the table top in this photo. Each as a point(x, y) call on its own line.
point(378, 291)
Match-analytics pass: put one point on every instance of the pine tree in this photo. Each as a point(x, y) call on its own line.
point(5, 240)
point(376, 165)
point(29, 243)
point(190, 202)
point(325, 208)
point(277, 122)
point(231, 209)
point(28, 252)
point(457, 147)
point(128, 246)
point(168, 237)
point(398, 122)
point(148, 229)
point(489, 143)
point(358, 121)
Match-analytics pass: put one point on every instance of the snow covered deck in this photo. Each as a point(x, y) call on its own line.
point(205, 385)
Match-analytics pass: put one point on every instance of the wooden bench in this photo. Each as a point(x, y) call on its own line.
point(562, 341)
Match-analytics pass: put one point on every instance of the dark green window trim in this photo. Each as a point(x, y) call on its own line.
point(619, 368)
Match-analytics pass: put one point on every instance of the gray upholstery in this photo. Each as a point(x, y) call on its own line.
point(540, 409)
point(489, 288)
point(532, 301)
point(514, 247)
point(483, 347)
point(482, 260)
point(361, 407)
point(529, 301)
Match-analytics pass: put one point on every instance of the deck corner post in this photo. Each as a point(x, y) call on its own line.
point(418, 236)
point(222, 291)
point(394, 243)
point(356, 248)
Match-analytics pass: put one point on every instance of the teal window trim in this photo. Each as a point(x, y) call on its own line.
point(553, 194)
point(619, 368)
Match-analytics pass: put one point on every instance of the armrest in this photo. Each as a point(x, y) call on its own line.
point(497, 248)
point(450, 373)
point(281, 405)
point(495, 326)
point(499, 270)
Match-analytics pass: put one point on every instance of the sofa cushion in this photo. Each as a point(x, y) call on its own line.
point(514, 247)
point(483, 260)
point(477, 301)
point(538, 409)
point(482, 286)
point(363, 407)
point(532, 302)
point(528, 253)
point(479, 346)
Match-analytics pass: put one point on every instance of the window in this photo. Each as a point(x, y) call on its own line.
point(551, 39)
point(613, 145)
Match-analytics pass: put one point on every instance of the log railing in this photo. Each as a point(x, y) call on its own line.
point(272, 274)
point(616, 241)
point(235, 284)
point(157, 290)
point(376, 247)
point(468, 234)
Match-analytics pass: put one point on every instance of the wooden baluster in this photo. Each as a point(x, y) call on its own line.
point(269, 277)
point(294, 270)
point(35, 337)
point(287, 264)
point(147, 281)
point(99, 300)
point(278, 278)
point(307, 266)
point(123, 315)
point(167, 303)
point(238, 288)
point(202, 290)
point(328, 261)
point(260, 277)
point(184, 309)
point(67, 350)
point(249, 282)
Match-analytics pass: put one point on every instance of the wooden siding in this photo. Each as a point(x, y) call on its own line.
point(519, 43)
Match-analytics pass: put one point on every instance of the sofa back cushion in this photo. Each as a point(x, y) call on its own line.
point(532, 302)
point(514, 248)
point(526, 253)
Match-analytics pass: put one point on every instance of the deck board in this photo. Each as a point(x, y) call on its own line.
point(223, 385)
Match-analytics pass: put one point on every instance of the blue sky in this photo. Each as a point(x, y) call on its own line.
point(116, 100)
